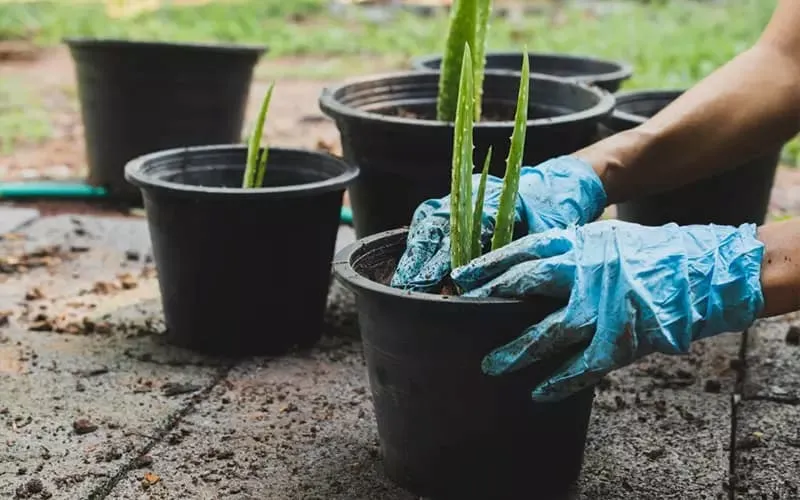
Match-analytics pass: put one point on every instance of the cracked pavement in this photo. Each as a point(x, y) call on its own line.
point(96, 405)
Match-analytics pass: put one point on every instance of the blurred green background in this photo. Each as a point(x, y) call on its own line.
point(671, 44)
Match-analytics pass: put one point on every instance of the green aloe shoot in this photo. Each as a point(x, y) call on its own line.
point(461, 179)
point(504, 228)
point(256, 158)
point(469, 21)
point(479, 57)
point(477, 214)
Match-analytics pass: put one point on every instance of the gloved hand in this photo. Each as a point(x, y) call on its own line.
point(554, 194)
point(632, 290)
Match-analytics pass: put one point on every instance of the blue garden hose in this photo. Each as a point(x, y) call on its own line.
point(21, 190)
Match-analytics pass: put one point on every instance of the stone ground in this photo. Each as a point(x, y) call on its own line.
point(96, 405)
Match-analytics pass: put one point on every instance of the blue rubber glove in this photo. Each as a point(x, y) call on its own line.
point(631, 290)
point(554, 194)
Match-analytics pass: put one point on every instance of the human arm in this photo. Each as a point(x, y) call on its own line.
point(780, 268)
point(747, 106)
point(632, 290)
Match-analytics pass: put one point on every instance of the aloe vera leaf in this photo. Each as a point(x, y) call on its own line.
point(256, 163)
point(477, 214)
point(504, 229)
point(461, 182)
point(483, 14)
point(463, 19)
point(262, 167)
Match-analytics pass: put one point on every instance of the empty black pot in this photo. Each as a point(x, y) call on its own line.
point(447, 431)
point(140, 97)
point(739, 195)
point(388, 129)
point(607, 75)
point(242, 271)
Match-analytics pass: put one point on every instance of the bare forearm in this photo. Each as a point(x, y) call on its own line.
point(780, 269)
point(748, 106)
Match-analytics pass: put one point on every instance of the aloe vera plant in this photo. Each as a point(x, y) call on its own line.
point(469, 24)
point(465, 219)
point(504, 228)
point(256, 157)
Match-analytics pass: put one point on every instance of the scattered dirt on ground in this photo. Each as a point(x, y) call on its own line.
point(47, 256)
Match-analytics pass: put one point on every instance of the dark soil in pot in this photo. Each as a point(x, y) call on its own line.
point(242, 271)
point(404, 155)
point(140, 97)
point(447, 431)
point(737, 196)
point(606, 74)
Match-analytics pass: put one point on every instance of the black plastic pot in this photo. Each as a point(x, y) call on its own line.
point(607, 75)
point(140, 97)
point(406, 160)
point(242, 271)
point(447, 431)
point(737, 196)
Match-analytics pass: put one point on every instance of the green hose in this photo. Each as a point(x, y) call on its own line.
point(22, 190)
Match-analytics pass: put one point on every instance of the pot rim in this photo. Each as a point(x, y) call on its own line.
point(330, 104)
point(344, 272)
point(641, 95)
point(122, 43)
point(135, 174)
point(623, 72)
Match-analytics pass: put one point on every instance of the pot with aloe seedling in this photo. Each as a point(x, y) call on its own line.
point(243, 238)
point(446, 429)
point(738, 196)
point(606, 74)
point(138, 97)
point(397, 128)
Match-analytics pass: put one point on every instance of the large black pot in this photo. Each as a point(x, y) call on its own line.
point(447, 430)
point(737, 196)
point(388, 128)
point(242, 271)
point(607, 75)
point(139, 97)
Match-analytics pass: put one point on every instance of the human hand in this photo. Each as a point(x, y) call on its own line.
point(631, 290)
point(554, 194)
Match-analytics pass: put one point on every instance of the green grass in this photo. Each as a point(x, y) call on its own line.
point(22, 116)
point(670, 44)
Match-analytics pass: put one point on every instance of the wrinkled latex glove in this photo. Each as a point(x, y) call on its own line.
point(631, 290)
point(554, 194)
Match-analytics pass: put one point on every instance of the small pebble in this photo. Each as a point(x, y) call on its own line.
point(793, 335)
point(713, 386)
point(143, 461)
point(83, 426)
point(34, 486)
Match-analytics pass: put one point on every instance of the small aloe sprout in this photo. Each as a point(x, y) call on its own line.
point(469, 24)
point(256, 157)
point(477, 214)
point(461, 178)
point(504, 229)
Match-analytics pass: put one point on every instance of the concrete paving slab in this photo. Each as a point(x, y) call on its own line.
point(767, 450)
point(88, 382)
point(78, 401)
point(13, 217)
point(170, 425)
point(773, 360)
point(661, 428)
point(300, 426)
